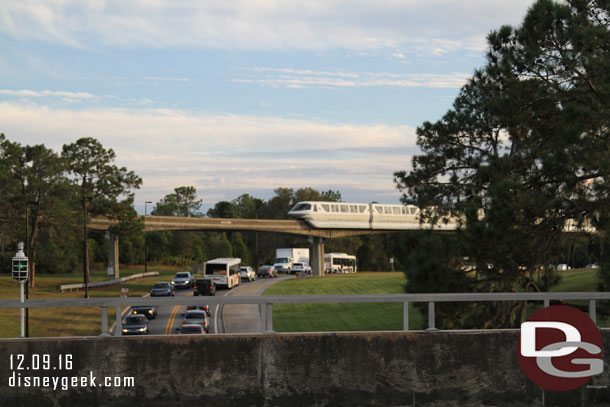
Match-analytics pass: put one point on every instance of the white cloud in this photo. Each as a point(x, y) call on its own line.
point(293, 78)
point(27, 93)
point(255, 24)
point(226, 155)
point(166, 79)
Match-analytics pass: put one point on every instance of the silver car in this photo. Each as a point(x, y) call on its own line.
point(246, 273)
point(183, 279)
point(197, 317)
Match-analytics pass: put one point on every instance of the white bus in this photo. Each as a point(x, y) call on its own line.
point(223, 271)
point(339, 263)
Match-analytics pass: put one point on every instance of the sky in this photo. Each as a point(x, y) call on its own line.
point(242, 96)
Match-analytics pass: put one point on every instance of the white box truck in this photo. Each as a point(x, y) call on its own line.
point(284, 258)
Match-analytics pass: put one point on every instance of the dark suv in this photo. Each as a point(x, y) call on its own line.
point(204, 286)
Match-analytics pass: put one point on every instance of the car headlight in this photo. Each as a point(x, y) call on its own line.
point(142, 329)
point(125, 330)
point(150, 311)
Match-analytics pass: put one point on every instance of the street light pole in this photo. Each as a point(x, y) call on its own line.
point(20, 273)
point(27, 289)
point(145, 241)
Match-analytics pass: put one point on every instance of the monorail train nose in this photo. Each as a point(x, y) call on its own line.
point(299, 209)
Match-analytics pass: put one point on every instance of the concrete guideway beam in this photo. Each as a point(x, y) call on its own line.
point(296, 227)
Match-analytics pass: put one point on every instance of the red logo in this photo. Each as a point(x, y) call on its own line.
point(560, 348)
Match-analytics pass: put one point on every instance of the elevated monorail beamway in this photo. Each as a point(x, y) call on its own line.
point(319, 220)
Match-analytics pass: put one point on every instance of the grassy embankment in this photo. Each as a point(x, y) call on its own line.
point(50, 322)
point(372, 317)
point(343, 317)
point(287, 318)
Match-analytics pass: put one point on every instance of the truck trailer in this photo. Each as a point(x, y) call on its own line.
point(284, 258)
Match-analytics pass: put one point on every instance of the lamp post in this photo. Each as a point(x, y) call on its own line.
point(145, 241)
point(20, 273)
point(27, 251)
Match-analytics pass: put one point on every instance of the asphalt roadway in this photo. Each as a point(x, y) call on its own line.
point(231, 319)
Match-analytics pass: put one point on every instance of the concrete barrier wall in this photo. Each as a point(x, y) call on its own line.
point(474, 368)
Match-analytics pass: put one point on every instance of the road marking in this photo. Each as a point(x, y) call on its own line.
point(216, 314)
point(170, 321)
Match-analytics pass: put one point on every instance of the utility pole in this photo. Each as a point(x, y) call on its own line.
point(145, 240)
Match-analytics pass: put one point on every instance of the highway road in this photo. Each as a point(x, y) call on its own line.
point(237, 318)
point(246, 318)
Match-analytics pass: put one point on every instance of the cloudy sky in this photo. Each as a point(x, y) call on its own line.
point(242, 96)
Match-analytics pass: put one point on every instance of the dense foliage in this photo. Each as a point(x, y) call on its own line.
point(50, 195)
point(61, 191)
point(256, 248)
point(524, 150)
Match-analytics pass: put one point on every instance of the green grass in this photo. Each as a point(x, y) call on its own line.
point(373, 317)
point(579, 280)
point(344, 316)
point(286, 318)
point(50, 322)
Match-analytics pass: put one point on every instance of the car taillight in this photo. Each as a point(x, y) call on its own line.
point(211, 287)
point(205, 323)
point(184, 322)
point(195, 287)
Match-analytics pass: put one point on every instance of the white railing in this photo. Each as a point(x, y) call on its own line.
point(80, 286)
point(267, 302)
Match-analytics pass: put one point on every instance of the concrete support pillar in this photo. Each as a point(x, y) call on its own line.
point(317, 265)
point(113, 255)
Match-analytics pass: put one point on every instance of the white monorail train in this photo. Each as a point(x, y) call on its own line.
point(322, 214)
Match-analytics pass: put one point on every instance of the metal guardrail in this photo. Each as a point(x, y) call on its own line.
point(79, 286)
point(267, 302)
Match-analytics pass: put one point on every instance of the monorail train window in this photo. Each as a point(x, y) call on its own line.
point(404, 210)
point(396, 210)
point(379, 209)
point(344, 208)
point(362, 208)
point(325, 207)
point(413, 210)
point(335, 208)
point(353, 209)
point(387, 210)
point(315, 208)
point(302, 207)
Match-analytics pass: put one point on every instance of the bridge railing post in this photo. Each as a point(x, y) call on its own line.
point(104, 321)
point(263, 311)
point(431, 317)
point(269, 318)
point(118, 323)
point(405, 315)
point(592, 311)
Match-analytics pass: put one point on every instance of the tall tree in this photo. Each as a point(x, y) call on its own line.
point(101, 184)
point(33, 187)
point(223, 209)
point(526, 142)
point(183, 202)
point(45, 178)
point(248, 207)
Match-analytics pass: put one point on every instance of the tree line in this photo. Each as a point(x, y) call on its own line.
point(254, 248)
point(527, 142)
point(47, 198)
